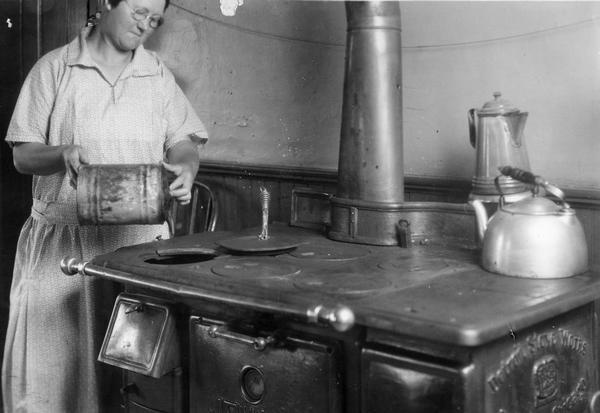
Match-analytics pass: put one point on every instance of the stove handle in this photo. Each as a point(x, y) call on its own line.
point(258, 343)
point(340, 317)
point(72, 266)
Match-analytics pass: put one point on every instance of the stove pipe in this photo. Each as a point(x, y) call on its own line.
point(370, 188)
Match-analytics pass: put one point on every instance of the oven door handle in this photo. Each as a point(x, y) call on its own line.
point(258, 343)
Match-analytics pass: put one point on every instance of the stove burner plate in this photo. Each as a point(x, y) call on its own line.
point(418, 265)
point(337, 252)
point(344, 283)
point(252, 244)
point(255, 268)
point(414, 265)
point(180, 256)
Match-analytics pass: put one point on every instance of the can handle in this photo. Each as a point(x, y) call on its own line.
point(170, 205)
point(170, 217)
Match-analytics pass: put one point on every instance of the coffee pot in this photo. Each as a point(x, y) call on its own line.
point(496, 133)
point(533, 237)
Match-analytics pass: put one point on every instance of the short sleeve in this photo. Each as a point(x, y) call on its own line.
point(182, 121)
point(31, 117)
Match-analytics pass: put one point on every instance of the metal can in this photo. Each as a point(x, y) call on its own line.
point(122, 194)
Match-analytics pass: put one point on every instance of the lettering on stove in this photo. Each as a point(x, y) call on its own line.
point(226, 406)
point(532, 348)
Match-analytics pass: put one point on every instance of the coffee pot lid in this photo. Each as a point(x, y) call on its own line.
point(498, 106)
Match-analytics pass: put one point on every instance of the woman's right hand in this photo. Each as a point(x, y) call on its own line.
point(73, 157)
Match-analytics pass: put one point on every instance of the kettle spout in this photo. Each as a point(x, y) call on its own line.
point(481, 217)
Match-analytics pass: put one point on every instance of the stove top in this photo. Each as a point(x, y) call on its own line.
point(435, 291)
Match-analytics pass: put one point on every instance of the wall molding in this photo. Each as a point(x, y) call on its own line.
point(256, 171)
point(582, 197)
point(587, 198)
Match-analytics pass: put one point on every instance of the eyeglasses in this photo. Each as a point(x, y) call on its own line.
point(142, 14)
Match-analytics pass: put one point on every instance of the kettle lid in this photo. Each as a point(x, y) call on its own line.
point(497, 106)
point(537, 205)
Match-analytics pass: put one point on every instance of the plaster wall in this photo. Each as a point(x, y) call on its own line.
point(268, 81)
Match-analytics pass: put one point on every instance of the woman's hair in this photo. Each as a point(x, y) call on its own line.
point(115, 3)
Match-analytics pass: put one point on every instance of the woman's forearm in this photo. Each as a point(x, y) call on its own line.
point(33, 158)
point(185, 153)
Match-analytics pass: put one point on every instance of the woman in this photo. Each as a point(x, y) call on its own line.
point(100, 99)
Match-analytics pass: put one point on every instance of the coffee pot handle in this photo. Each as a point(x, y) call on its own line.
point(472, 127)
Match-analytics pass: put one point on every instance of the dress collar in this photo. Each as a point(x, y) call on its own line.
point(144, 63)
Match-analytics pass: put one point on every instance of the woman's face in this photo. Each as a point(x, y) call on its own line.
point(125, 32)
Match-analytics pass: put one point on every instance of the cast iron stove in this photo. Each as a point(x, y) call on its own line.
point(329, 326)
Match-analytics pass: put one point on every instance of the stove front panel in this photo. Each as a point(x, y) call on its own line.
point(550, 368)
point(231, 371)
point(393, 383)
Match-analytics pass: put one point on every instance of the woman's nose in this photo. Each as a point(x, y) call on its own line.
point(144, 24)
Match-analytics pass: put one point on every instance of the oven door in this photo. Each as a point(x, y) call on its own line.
point(232, 371)
point(392, 383)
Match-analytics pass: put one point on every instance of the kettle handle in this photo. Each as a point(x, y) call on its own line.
point(536, 180)
point(472, 127)
point(521, 175)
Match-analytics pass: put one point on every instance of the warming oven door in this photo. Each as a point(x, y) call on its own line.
point(233, 371)
point(141, 339)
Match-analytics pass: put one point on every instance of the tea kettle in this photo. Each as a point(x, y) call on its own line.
point(496, 132)
point(533, 237)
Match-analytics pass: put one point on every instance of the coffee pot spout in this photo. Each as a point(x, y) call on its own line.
point(516, 128)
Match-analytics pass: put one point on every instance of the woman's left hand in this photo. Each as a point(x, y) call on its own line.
point(181, 187)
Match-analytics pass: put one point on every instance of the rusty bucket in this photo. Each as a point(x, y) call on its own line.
point(122, 194)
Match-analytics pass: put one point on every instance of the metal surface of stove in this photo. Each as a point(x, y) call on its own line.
point(336, 327)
